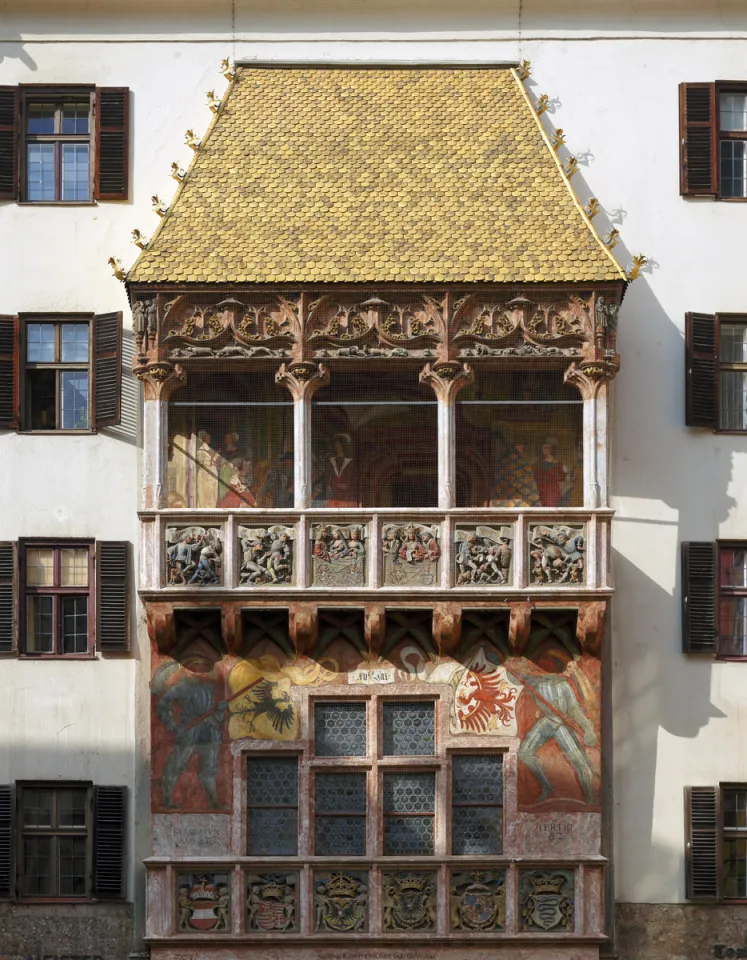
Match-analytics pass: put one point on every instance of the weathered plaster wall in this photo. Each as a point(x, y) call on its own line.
point(677, 720)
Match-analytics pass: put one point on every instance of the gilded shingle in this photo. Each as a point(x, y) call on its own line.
point(347, 174)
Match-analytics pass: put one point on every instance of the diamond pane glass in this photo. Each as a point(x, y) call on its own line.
point(340, 729)
point(477, 779)
point(408, 835)
point(476, 830)
point(273, 831)
point(409, 729)
point(340, 836)
point(409, 792)
point(272, 780)
point(340, 792)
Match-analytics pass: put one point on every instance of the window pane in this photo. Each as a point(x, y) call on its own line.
point(340, 729)
point(39, 625)
point(72, 866)
point(40, 171)
point(74, 399)
point(71, 806)
point(272, 796)
point(41, 387)
point(40, 118)
point(733, 172)
point(733, 342)
point(733, 111)
point(340, 808)
point(375, 442)
point(409, 804)
point(409, 729)
point(733, 567)
point(735, 809)
point(75, 176)
point(74, 567)
point(732, 640)
point(75, 342)
point(39, 567)
point(40, 342)
point(75, 118)
point(735, 869)
point(74, 624)
point(37, 867)
point(477, 779)
point(37, 807)
point(733, 405)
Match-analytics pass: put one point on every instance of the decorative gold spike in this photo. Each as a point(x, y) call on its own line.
point(524, 69)
point(611, 238)
point(542, 104)
point(139, 240)
point(227, 69)
point(592, 208)
point(558, 139)
point(571, 167)
point(213, 101)
point(191, 140)
point(117, 269)
point(158, 206)
point(634, 270)
point(176, 171)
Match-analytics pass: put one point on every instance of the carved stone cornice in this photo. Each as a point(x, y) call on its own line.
point(160, 379)
point(447, 378)
point(303, 378)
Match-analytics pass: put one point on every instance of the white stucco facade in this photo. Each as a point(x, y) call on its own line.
point(612, 81)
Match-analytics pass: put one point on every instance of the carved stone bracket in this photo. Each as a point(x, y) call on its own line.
point(447, 378)
point(302, 378)
point(303, 626)
point(447, 627)
point(161, 379)
point(588, 376)
point(590, 627)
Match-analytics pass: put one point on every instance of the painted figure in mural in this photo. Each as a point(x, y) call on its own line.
point(277, 489)
point(341, 477)
point(189, 711)
point(560, 717)
point(554, 480)
point(516, 484)
point(207, 474)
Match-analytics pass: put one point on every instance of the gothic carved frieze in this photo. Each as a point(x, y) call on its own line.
point(483, 555)
point(203, 902)
point(411, 554)
point(272, 902)
point(266, 556)
point(478, 900)
point(194, 556)
point(547, 900)
point(557, 553)
point(338, 555)
point(409, 901)
point(341, 901)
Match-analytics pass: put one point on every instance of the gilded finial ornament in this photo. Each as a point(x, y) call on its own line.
point(227, 69)
point(139, 240)
point(558, 139)
point(542, 104)
point(213, 101)
point(191, 140)
point(117, 269)
point(158, 205)
point(592, 208)
point(176, 171)
point(524, 69)
point(634, 270)
point(611, 238)
point(571, 167)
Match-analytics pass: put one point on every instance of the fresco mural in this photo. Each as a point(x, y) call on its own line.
point(548, 698)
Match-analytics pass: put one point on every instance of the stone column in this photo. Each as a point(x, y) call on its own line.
point(303, 379)
point(446, 379)
point(592, 380)
point(160, 381)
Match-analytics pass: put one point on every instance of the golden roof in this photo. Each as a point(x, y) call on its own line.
point(316, 174)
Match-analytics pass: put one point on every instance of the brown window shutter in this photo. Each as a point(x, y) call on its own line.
point(702, 843)
point(698, 164)
point(107, 369)
point(700, 370)
point(109, 813)
point(7, 886)
point(8, 143)
point(9, 366)
point(111, 180)
point(699, 565)
point(8, 594)
point(112, 596)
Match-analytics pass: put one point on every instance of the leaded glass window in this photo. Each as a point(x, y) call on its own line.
point(272, 802)
point(340, 729)
point(340, 814)
point(477, 804)
point(409, 812)
point(409, 729)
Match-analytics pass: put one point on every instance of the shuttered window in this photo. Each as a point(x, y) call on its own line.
point(702, 843)
point(112, 621)
point(109, 819)
point(714, 599)
point(716, 371)
point(74, 143)
point(713, 140)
